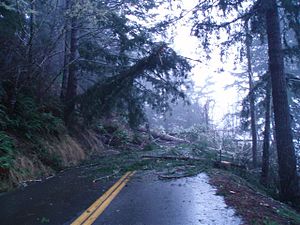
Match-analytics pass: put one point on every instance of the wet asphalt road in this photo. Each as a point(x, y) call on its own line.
point(53, 201)
point(145, 200)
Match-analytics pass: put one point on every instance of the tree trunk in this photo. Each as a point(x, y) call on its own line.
point(266, 144)
point(72, 76)
point(251, 98)
point(66, 54)
point(289, 189)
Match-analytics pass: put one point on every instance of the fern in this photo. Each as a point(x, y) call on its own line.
point(6, 150)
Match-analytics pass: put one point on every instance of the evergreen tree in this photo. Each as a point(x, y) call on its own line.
point(289, 188)
point(206, 23)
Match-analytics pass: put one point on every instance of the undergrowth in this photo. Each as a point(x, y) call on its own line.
point(23, 131)
point(29, 122)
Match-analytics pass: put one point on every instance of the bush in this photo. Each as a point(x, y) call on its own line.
point(6, 150)
point(33, 120)
point(29, 123)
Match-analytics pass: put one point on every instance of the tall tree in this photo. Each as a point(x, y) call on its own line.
point(71, 87)
point(289, 189)
point(251, 95)
point(207, 22)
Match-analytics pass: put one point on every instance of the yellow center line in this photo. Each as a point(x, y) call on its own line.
point(96, 209)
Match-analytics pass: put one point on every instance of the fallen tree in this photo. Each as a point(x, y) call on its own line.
point(186, 158)
point(218, 164)
point(162, 136)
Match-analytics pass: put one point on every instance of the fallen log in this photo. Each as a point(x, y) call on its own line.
point(172, 157)
point(165, 137)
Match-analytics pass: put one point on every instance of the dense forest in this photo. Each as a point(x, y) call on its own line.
point(75, 71)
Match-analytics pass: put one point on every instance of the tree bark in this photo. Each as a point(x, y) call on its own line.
point(289, 189)
point(266, 144)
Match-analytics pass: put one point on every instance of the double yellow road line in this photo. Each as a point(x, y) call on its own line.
point(96, 209)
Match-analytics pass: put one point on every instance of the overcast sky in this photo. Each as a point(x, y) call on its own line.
point(187, 45)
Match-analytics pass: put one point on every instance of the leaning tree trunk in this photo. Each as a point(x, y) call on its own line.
point(266, 144)
point(251, 98)
point(72, 76)
point(289, 188)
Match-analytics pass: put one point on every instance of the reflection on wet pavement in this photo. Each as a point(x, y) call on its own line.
point(150, 201)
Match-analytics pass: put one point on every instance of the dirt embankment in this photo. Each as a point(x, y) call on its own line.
point(45, 155)
point(55, 153)
point(251, 204)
